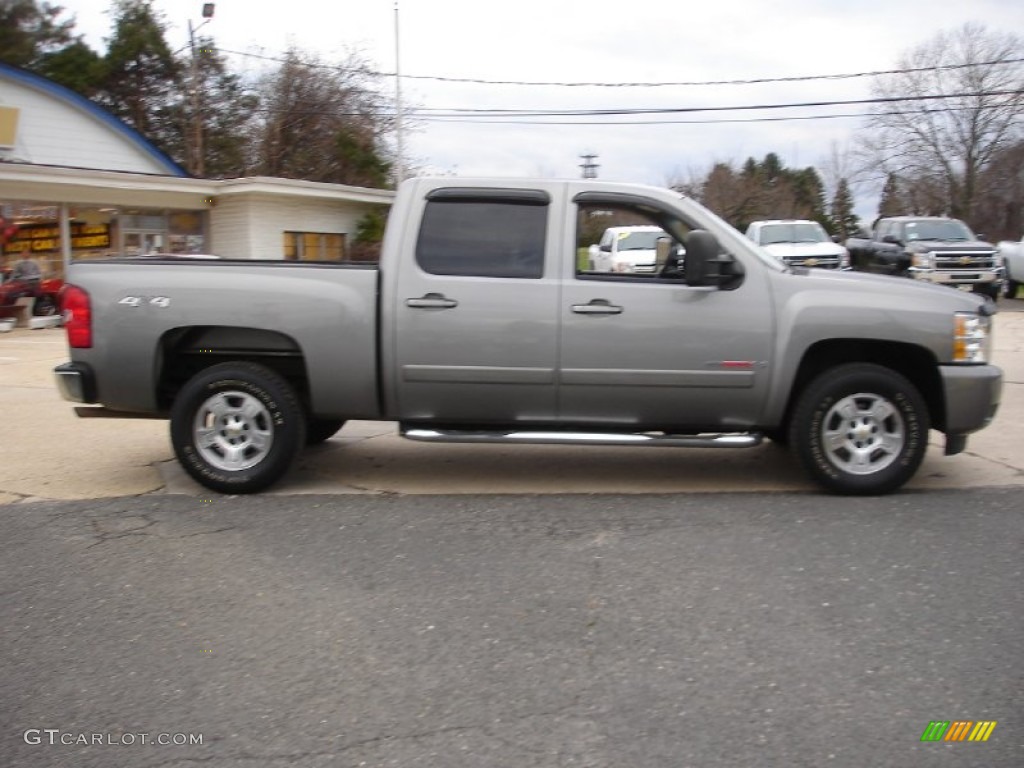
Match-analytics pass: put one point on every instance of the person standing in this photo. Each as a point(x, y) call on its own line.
point(25, 268)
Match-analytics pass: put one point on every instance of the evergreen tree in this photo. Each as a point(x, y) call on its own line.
point(142, 80)
point(30, 30)
point(845, 222)
point(891, 202)
point(35, 37)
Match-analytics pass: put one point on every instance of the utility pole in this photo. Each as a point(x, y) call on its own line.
point(589, 166)
point(399, 114)
point(197, 160)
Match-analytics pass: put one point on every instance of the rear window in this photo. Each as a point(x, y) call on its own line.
point(483, 238)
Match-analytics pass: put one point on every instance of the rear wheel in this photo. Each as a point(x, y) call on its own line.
point(1010, 289)
point(318, 430)
point(237, 427)
point(860, 429)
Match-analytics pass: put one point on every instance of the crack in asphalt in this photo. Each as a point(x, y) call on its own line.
point(485, 728)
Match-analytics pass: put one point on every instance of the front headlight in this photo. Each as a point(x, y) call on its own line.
point(971, 337)
point(923, 260)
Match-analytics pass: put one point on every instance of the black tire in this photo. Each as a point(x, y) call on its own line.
point(253, 422)
point(1010, 289)
point(879, 424)
point(318, 430)
point(992, 291)
point(44, 306)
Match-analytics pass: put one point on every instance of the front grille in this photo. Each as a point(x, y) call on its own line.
point(821, 262)
point(964, 260)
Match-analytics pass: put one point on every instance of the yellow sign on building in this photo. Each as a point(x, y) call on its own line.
point(8, 126)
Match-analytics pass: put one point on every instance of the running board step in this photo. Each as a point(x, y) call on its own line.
point(548, 437)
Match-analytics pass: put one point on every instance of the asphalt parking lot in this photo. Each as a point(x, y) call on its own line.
point(49, 453)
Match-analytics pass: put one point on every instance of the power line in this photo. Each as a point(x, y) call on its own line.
point(616, 112)
point(468, 116)
point(653, 84)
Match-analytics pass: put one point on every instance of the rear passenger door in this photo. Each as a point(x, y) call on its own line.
point(475, 317)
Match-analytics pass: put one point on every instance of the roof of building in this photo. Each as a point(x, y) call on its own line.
point(93, 111)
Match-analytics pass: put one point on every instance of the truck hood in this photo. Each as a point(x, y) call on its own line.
point(898, 290)
point(804, 250)
point(938, 246)
point(635, 256)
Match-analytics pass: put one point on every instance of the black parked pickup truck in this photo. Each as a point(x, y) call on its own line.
point(931, 248)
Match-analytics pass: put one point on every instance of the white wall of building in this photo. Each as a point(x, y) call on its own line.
point(253, 227)
point(54, 132)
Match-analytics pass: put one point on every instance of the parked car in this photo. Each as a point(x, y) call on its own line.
point(626, 249)
point(1012, 254)
point(799, 243)
point(934, 249)
point(45, 293)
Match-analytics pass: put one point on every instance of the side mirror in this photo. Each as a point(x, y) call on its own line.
point(836, 239)
point(892, 240)
point(607, 248)
point(706, 265)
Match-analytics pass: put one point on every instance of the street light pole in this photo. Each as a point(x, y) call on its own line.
point(197, 161)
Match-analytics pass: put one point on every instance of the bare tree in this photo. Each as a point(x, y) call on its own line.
point(1001, 211)
point(322, 123)
point(957, 101)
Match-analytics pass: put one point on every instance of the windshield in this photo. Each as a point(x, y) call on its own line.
point(639, 241)
point(949, 230)
point(803, 232)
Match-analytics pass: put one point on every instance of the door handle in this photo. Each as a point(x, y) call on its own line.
point(432, 301)
point(597, 307)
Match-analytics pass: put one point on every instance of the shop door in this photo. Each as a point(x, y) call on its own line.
point(144, 242)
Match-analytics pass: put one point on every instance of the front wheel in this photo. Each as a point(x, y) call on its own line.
point(991, 290)
point(237, 427)
point(45, 306)
point(860, 429)
point(1010, 289)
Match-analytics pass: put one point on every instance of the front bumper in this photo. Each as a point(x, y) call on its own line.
point(955, 278)
point(972, 395)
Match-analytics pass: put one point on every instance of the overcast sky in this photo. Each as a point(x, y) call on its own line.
point(596, 41)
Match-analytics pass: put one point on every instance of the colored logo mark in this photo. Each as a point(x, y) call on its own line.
point(959, 730)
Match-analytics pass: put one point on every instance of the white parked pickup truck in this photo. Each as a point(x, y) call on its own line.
point(626, 249)
point(799, 243)
point(1012, 254)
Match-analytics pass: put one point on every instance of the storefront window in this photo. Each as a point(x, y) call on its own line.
point(314, 246)
point(96, 232)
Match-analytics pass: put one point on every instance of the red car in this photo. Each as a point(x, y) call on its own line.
point(45, 292)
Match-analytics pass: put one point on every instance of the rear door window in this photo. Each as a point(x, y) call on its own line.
point(483, 237)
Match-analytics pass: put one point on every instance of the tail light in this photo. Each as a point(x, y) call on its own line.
point(77, 316)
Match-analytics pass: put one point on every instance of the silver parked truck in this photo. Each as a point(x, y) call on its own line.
point(484, 322)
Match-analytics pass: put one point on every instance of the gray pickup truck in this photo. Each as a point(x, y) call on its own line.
point(483, 323)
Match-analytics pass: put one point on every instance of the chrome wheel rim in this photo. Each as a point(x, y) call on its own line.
point(863, 434)
point(233, 431)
